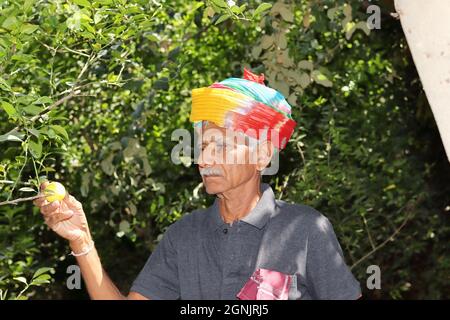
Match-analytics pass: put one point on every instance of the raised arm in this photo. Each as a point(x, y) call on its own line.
point(68, 220)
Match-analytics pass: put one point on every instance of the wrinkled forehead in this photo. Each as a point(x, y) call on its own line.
point(208, 131)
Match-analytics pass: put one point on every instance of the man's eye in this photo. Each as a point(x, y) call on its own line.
point(221, 145)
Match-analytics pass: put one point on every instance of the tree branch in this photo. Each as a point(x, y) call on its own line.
point(395, 233)
point(16, 201)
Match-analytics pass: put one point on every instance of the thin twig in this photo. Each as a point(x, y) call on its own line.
point(20, 174)
point(372, 243)
point(54, 105)
point(301, 154)
point(55, 50)
point(83, 70)
point(73, 92)
point(286, 181)
point(76, 52)
point(16, 201)
point(381, 245)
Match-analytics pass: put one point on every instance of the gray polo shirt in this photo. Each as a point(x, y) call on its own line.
point(202, 257)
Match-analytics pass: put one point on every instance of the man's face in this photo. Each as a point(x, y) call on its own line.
point(226, 160)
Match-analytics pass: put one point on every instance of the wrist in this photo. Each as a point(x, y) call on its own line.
point(81, 244)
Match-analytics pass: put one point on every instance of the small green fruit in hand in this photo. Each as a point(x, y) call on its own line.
point(54, 191)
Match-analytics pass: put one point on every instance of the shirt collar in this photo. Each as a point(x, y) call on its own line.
point(258, 217)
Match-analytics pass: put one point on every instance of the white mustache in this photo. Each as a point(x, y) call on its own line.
point(211, 172)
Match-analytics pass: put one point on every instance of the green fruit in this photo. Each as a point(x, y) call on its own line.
point(54, 191)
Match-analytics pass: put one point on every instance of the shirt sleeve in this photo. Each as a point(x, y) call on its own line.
point(158, 279)
point(327, 275)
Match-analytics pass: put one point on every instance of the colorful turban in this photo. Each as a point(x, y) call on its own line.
point(246, 105)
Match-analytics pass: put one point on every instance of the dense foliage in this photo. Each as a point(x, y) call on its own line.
point(90, 92)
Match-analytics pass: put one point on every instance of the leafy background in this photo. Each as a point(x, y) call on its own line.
point(90, 92)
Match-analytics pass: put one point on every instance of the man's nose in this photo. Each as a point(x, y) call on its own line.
point(206, 157)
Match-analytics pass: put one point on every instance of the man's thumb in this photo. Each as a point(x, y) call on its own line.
point(43, 185)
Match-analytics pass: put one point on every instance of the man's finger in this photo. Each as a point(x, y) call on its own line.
point(39, 202)
point(58, 217)
point(73, 203)
point(51, 207)
point(43, 185)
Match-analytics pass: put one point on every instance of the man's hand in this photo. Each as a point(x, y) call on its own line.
point(65, 217)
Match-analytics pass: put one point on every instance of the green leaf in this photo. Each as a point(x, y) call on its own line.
point(21, 279)
point(132, 149)
point(43, 100)
point(34, 132)
point(28, 28)
point(87, 35)
point(304, 80)
point(4, 85)
point(98, 17)
point(51, 133)
point(27, 189)
point(42, 271)
point(10, 23)
point(42, 279)
point(220, 3)
point(362, 25)
point(153, 37)
point(283, 87)
point(85, 181)
point(162, 84)
point(222, 18)
point(74, 22)
point(33, 110)
point(124, 226)
point(105, 2)
point(88, 27)
point(293, 99)
point(197, 5)
point(305, 64)
point(25, 100)
point(256, 51)
point(35, 148)
point(21, 57)
point(210, 12)
point(266, 41)
point(236, 10)
point(8, 107)
point(146, 164)
point(112, 78)
point(60, 130)
point(261, 8)
point(83, 3)
point(321, 79)
point(12, 135)
point(107, 165)
point(286, 14)
point(173, 54)
point(28, 5)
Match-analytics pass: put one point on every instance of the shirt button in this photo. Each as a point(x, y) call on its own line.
point(225, 230)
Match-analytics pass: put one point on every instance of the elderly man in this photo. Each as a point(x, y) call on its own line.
point(247, 245)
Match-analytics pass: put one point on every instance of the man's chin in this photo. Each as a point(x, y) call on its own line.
point(213, 185)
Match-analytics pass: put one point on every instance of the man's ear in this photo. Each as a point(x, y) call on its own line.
point(265, 151)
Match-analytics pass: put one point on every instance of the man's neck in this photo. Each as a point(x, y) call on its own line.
point(235, 204)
